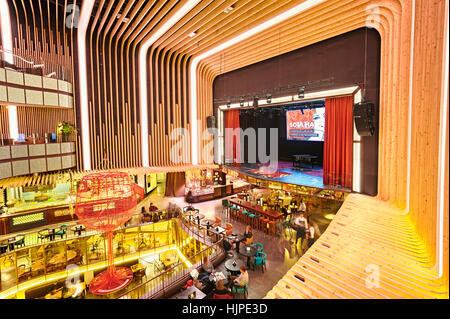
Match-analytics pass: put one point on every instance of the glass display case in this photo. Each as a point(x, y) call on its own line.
point(20, 199)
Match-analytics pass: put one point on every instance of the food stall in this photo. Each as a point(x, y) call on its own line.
point(27, 207)
point(209, 184)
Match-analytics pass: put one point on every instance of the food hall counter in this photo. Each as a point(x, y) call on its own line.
point(29, 207)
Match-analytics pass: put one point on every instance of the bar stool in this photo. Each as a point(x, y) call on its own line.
point(263, 224)
point(256, 221)
point(243, 216)
point(234, 212)
point(250, 219)
point(271, 227)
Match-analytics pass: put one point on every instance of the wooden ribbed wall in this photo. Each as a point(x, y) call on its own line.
point(4, 121)
point(40, 34)
point(42, 120)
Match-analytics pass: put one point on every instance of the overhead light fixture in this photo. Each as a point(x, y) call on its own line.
point(255, 102)
point(230, 8)
point(242, 101)
point(228, 104)
point(301, 93)
point(269, 98)
point(50, 74)
point(193, 34)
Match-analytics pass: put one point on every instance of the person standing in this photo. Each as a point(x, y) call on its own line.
point(310, 235)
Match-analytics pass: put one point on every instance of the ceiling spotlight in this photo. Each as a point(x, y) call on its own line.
point(193, 34)
point(230, 8)
point(255, 102)
point(269, 98)
point(242, 101)
point(228, 104)
point(301, 93)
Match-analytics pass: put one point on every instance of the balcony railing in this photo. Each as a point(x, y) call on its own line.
point(166, 283)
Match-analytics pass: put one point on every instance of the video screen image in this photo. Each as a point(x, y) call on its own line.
point(306, 124)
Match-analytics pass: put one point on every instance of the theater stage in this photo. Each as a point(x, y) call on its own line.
point(286, 173)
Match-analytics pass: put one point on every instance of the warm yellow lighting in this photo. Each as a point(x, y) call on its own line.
point(329, 216)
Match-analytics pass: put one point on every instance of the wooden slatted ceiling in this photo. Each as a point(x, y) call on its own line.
point(113, 76)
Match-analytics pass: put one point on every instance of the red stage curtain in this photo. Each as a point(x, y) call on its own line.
point(338, 144)
point(232, 142)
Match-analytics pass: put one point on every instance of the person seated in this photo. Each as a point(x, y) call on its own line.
point(152, 208)
point(248, 235)
point(227, 245)
point(207, 269)
point(220, 291)
point(242, 279)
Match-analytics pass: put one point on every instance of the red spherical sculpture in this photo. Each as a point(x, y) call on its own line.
point(106, 200)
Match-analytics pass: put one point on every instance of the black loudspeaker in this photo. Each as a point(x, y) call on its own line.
point(211, 123)
point(363, 113)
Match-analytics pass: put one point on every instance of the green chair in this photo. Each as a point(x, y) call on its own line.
point(258, 246)
point(42, 235)
point(240, 290)
point(260, 260)
point(61, 231)
point(21, 242)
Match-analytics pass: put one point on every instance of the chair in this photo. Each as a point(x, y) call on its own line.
point(240, 290)
point(260, 260)
point(225, 296)
point(21, 242)
point(61, 231)
point(218, 222)
point(229, 229)
point(258, 246)
point(42, 235)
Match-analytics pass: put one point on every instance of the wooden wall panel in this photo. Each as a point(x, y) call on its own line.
point(42, 120)
point(4, 121)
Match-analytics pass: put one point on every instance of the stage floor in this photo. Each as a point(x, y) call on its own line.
point(286, 173)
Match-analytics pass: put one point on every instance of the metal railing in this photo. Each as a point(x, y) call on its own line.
point(165, 284)
point(33, 239)
point(31, 64)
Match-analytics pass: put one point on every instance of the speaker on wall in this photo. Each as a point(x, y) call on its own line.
point(211, 123)
point(363, 113)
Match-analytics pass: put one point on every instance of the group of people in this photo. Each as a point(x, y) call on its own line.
point(218, 287)
point(154, 214)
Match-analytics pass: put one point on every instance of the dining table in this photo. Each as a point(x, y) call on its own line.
point(190, 291)
point(60, 258)
point(78, 229)
point(249, 252)
point(234, 265)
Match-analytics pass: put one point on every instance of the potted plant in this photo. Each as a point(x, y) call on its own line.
point(65, 129)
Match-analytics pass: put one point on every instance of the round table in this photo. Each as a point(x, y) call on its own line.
point(199, 217)
point(234, 268)
point(78, 229)
point(248, 251)
point(213, 278)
